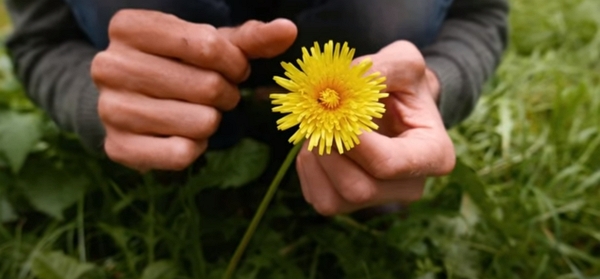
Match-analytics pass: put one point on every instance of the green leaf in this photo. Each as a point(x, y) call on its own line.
point(19, 132)
point(234, 167)
point(160, 270)
point(56, 265)
point(471, 184)
point(51, 190)
point(7, 213)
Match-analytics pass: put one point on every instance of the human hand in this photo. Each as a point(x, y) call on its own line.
point(389, 165)
point(164, 82)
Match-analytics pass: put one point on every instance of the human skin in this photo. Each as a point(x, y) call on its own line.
point(164, 82)
point(389, 165)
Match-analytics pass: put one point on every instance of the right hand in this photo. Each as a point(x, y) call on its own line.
point(164, 82)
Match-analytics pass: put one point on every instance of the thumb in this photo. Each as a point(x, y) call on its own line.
point(262, 40)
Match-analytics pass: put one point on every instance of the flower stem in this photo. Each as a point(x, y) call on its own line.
point(239, 251)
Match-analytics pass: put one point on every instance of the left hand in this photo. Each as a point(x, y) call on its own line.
point(389, 165)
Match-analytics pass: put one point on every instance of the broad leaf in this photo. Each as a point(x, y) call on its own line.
point(7, 213)
point(234, 167)
point(470, 182)
point(160, 270)
point(19, 132)
point(51, 190)
point(56, 265)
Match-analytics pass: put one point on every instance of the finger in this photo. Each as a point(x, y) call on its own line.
point(143, 115)
point(411, 111)
point(403, 190)
point(262, 40)
point(401, 63)
point(146, 153)
point(361, 190)
point(163, 78)
point(166, 35)
point(417, 152)
point(323, 197)
point(348, 178)
point(303, 175)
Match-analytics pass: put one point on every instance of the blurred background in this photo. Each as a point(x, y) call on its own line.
point(523, 202)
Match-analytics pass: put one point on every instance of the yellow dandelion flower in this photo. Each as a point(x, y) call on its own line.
point(330, 99)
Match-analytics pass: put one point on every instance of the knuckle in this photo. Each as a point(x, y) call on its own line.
point(326, 208)
point(384, 169)
point(210, 47)
point(224, 95)
point(166, 17)
point(406, 46)
point(211, 120)
point(214, 86)
point(207, 28)
point(382, 172)
point(302, 157)
point(206, 127)
point(252, 24)
point(116, 151)
point(109, 67)
point(120, 23)
point(197, 132)
point(414, 59)
point(183, 153)
point(231, 104)
point(359, 193)
point(409, 56)
point(109, 106)
point(100, 68)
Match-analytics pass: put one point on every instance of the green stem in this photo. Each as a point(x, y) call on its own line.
point(239, 251)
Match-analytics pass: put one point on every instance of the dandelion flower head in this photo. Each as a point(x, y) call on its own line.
point(331, 100)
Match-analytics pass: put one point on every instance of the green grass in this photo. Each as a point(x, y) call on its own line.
point(523, 202)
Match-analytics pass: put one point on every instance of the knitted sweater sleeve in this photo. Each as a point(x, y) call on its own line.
point(466, 53)
point(52, 59)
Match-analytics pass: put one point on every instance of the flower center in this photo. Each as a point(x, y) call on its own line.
point(329, 98)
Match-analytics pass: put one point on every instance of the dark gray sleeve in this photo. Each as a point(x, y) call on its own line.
point(466, 53)
point(52, 59)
